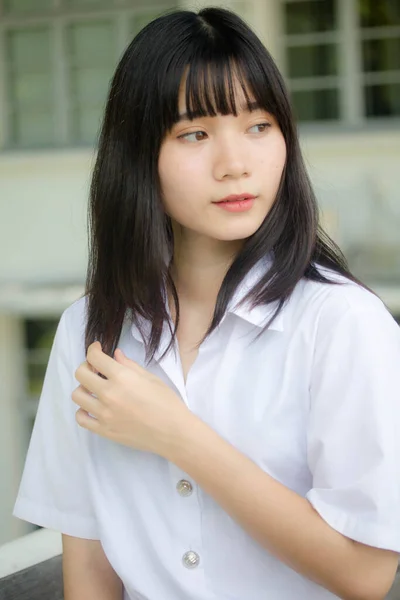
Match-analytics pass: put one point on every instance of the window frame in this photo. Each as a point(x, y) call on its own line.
point(35, 356)
point(59, 18)
point(351, 77)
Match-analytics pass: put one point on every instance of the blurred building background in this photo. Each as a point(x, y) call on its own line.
point(341, 59)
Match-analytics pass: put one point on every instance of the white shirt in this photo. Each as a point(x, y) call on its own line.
point(315, 402)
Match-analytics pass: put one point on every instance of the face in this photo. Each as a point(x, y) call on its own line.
point(211, 158)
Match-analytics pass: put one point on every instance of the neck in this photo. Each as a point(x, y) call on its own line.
point(199, 267)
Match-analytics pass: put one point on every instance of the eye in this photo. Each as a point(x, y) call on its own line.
point(260, 127)
point(194, 136)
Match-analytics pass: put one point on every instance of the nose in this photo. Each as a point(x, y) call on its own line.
point(230, 160)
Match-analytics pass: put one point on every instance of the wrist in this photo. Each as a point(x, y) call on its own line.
point(184, 436)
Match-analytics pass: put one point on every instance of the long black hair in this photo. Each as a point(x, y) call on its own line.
point(130, 236)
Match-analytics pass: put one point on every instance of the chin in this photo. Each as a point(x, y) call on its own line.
point(239, 232)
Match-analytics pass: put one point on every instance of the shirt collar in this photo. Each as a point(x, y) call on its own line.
point(258, 315)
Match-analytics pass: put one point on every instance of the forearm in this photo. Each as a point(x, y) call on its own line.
point(279, 519)
point(87, 573)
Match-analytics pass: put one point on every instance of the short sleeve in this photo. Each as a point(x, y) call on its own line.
point(354, 424)
point(54, 490)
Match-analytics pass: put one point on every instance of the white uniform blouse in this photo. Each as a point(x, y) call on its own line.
point(315, 402)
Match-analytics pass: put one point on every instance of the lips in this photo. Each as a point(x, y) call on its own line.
point(236, 198)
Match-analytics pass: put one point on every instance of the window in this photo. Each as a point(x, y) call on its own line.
point(380, 40)
point(30, 86)
point(140, 20)
point(39, 336)
point(91, 54)
point(26, 6)
point(320, 44)
point(312, 58)
point(59, 59)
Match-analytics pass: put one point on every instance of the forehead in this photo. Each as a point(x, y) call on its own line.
point(211, 91)
point(241, 97)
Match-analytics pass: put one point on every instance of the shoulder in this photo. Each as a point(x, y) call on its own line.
point(73, 322)
point(336, 298)
point(342, 307)
point(71, 328)
point(75, 314)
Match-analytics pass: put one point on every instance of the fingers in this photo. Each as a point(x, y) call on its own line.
point(102, 362)
point(89, 379)
point(85, 400)
point(120, 356)
point(86, 421)
point(131, 364)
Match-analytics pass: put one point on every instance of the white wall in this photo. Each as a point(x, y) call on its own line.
point(43, 215)
point(43, 201)
point(356, 175)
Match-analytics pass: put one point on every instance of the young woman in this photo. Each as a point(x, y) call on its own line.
point(237, 430)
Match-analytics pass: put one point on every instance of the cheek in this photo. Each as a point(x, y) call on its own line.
point(165, 167)
point(274, 162)
point(179, 168)
point(168, 170)
point(175, 180)
point(178, 186)
point(281, 156)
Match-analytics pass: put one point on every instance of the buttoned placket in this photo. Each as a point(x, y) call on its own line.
point(186, 515)
point(186, 508)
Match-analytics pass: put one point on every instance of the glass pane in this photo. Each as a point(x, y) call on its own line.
point(316, 105)
point(32, 129)
point(39, 336)
point(240, 7)
point(27, 5)
point(36, 373)
point(92, 44)
point(31, 87)
point(141, 19)
point(29, 49)
point(89, 86)
point(88, 3)
point(376, 13)
point(39, 333)
point(310, 16)
point(381, 55)
point(382, 100)
point(87, 124)
point(312, 61)
point(32, 90)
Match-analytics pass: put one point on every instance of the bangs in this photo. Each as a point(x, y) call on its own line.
point(212, 85)
point(211, 89)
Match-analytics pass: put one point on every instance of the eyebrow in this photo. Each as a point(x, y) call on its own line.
point(250, 107)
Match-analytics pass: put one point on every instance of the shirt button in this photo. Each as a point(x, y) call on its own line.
point(184, 487)
point(191, 559)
